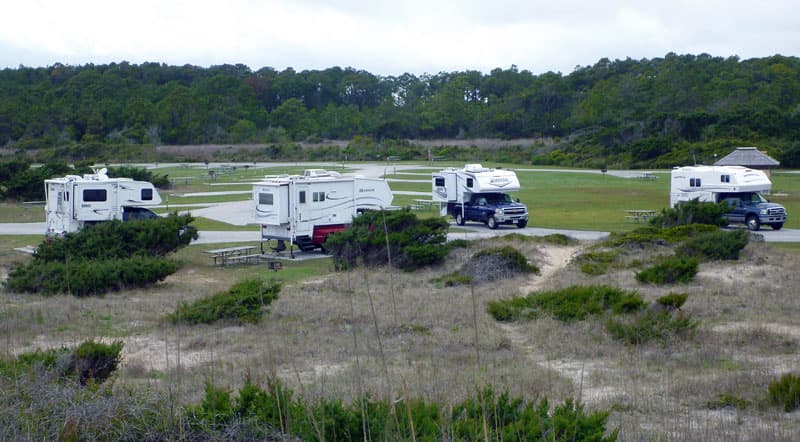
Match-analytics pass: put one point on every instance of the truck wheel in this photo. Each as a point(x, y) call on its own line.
point(459, 219)
point(777, 226)
point(491, 222)
point(522, 223)
point(753, 223)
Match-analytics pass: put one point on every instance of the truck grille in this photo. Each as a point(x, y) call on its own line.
point(775, 211)
point(517, 211)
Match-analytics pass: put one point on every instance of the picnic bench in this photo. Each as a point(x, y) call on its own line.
point(234, 255)
point(419, 204)
point(638, 215)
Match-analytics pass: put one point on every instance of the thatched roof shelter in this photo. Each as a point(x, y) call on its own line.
point(748, 157)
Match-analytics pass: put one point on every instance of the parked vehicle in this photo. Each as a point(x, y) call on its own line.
point(476, 193)
point(305, 209)
point(740, 187)
point(75, 201)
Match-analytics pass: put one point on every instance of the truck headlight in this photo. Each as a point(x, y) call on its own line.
point(763, 211)
point(498, 211)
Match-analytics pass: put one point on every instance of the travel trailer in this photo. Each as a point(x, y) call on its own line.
point(740, 187)
point(75, 201)
point(476, 193)
point(305, 209)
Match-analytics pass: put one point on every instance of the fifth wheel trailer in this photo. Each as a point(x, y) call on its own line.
point(305, 209)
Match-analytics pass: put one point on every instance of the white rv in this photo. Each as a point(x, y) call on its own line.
point(740, 187)
point(305, 209)
point(74, 201)
point(477, 193)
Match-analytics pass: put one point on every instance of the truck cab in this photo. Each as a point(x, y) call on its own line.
point(491, 208)
point(753, 210)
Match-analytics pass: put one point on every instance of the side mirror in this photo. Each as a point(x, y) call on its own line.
point(517, 199)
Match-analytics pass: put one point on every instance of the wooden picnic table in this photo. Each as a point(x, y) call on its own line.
point(420, 204)
point(639, 215)
point(234, 255)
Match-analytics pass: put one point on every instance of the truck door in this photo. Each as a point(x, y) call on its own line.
point(95, 201)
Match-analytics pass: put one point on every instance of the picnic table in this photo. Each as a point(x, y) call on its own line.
point(420, 204)
point(639, 215)
point(234, 255)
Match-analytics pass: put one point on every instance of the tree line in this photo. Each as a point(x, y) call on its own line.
point(629, 113)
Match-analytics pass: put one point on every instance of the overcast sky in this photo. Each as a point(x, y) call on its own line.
point(390, 37)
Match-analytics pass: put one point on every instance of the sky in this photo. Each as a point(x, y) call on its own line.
point(390, 37)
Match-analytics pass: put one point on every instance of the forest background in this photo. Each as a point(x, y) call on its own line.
point(649, 113)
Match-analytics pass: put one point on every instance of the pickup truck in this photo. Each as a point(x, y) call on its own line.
point(753, 210)
point(492, 209)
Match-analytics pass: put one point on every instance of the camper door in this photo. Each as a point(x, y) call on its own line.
point(302, 199)
point(95, 201)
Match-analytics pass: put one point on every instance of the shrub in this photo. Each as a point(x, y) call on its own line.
point(692, 212)
point(651, 325)
point(785, 392)
point(674, 269)
point(571, 304)
point(497, 263)
point(727, 401)
point(86, 278)
point(673, 301)
point(652, 235)
point(91, 360)
point(117, 239)
point(597, 263)
point(715, 245)
point(454, 279)
point(241, 303)
point(96, 361)
point(412, 242)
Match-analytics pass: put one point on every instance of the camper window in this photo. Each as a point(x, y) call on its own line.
point(694, 182)
point(302, 197)
point(147, 194)
point(469, 182)
point(265, 199)
point(725, 178)
point(94, 195)
point(439, 181)
point(318, 196)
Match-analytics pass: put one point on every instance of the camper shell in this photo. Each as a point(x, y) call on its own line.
point(742, 188)
point(477, 193)
point(75, 201)
point(305, 209)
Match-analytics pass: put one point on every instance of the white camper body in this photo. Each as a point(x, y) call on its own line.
point(74, 201)
point(455, 185)
point(304, 209)
point(705, 183)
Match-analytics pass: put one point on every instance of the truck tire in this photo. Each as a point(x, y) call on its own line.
point(753, 223)
point(522, 223)
point(776, 226)
point(459, 219)
point(491, 222)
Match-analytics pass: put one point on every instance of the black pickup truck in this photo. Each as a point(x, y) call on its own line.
point(492, 209)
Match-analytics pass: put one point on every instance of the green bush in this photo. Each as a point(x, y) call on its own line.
point(413, 242)
point(574, 303)
point(727, 401)
point(117, 239)
point(241, 303)
point(495, 263)
point(692, 212)
point(785, 392)
point(453, 279)
point(651, 325)
point(86, 278)
point(90, 361)
point(652, 235)
point(597, 262)
point(674, 269)
point(96, 361)
point(718, 245)
point(673, 301)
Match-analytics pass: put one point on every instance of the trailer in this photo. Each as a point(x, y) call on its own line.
point(476, 193)
point(304, 210)
point(73, 202)
point(742, 188)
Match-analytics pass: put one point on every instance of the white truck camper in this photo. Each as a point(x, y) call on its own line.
point(740, 187)
point(75, 201)
point(477, 193)
point(305, 209)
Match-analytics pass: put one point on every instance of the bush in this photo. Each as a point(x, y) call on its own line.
point(644, 236)
point(117, 239)
point(497, 263)
point(241, 303)
point(674, 269)
point(727, 401)
point(597, 263)
point(692, 212)
point(719, 245)
point(90, 277)
point(571, 304)
point(90, 361)
point(651, 325)
point(97, 361)
point(412, 242)
point(673, 301)
point(785, 392)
